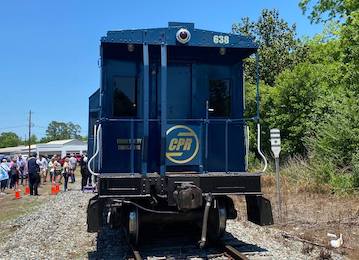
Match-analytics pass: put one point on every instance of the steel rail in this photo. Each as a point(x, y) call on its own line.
point(232, 252)
point(136, 253)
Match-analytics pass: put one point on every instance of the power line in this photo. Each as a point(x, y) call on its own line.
point(12, 127)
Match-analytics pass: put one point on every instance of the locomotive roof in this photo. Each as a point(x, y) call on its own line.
point(167, 36)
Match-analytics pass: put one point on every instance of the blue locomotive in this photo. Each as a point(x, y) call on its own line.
point(167, 135)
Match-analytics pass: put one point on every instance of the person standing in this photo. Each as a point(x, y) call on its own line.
point(10, 164)
point(52, 168)
point(21, 166)
point(66, 172)
point(43, 168)
point(84, 172)
point(4, 175)
point(58, 170)
point(34, 174)
point(14, 175)
point(73, 164)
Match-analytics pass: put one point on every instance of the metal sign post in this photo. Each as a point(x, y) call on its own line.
point(276, 148)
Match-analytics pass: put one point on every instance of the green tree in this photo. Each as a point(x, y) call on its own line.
point(61, 130)
point(279, 48)
point(324, 10)
point(33, 140)
point(346, 13)
point(9, 139)
point(336, 138)
point(304, 96)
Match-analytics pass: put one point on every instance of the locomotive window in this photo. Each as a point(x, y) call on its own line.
point(124, 97)
point(219, 98)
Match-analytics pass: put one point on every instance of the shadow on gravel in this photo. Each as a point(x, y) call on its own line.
point(111, 243)
point(174, 242)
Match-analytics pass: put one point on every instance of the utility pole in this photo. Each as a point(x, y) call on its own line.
point(29, 134)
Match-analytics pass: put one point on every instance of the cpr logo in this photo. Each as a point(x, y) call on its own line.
point(183, 144)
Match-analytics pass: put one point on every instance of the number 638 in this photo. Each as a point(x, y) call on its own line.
point(221, 39)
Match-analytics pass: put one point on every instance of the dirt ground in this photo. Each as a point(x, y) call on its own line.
point(310, 216)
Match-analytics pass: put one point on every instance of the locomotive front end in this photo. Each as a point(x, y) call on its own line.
point(167, 135)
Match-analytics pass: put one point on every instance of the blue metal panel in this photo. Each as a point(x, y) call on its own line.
point(167, 36)
point(172, 89)
point(146, 107)
point(118, 156)
point(94, 100)
point(163, 107)
point(179, 94)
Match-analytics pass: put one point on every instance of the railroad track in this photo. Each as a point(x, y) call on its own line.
point(229, 252)
point(179, 242)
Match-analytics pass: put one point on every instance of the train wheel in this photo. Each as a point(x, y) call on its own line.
point(217, 220)
point(133, 225)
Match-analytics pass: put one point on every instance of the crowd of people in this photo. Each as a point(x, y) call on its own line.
point(37, 170)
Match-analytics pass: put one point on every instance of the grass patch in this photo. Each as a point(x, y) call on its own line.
point(14, 208)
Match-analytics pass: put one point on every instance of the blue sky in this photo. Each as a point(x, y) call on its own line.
point(49, 49)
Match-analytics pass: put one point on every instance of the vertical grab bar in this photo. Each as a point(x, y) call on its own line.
point(94, 145)
point(132, 147)
point(201, 140)
point(98, 148)
point(146, 106)
point(226, 146)
point(246, 132)
point(163, 108)
point(206, 137)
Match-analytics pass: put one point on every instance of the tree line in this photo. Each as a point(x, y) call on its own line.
point(310, 88)
point(55, 131)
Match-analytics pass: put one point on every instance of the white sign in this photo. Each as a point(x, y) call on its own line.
point(275, 142)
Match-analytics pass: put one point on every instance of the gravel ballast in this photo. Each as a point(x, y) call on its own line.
point(57, 230)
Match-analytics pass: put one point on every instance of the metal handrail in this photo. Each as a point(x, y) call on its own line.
point(98, 148)
point(202, 123)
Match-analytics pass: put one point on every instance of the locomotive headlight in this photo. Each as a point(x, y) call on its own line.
point(183, 35)
point(222, 51)
point(130, 47)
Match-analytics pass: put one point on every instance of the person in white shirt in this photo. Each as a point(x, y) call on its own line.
point(22, 165)
point(72, 164)
point(42, 162)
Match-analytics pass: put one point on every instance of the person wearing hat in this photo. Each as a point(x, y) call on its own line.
point(34, 174)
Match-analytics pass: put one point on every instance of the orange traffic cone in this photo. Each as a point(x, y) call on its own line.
point(18, 194)
point(27, 190)
point(53, 190)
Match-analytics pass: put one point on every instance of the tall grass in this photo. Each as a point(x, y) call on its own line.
point(301, 174)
